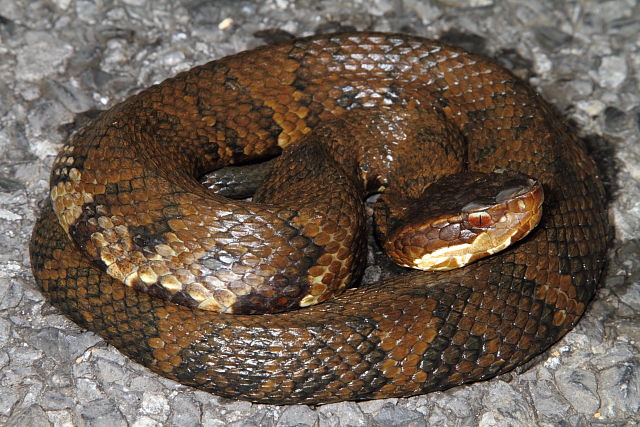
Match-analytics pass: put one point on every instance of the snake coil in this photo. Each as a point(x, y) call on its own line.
point(124, 190)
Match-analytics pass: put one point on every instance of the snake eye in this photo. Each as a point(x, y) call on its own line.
point(480, 219)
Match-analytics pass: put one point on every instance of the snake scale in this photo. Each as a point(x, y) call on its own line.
point(126, 184)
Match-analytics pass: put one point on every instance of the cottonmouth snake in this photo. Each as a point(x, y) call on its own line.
point(409, 335)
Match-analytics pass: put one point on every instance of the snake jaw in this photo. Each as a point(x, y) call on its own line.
point(446, 258)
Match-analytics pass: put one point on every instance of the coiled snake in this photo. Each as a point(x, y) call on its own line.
point(125, 189)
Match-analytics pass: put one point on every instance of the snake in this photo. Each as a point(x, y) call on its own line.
point(132, 246)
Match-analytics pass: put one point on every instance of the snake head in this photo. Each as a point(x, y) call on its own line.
point(464, 217)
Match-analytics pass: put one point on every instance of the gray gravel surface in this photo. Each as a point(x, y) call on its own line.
point(61, 57)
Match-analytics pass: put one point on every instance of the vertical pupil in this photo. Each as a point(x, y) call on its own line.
point(480, 219)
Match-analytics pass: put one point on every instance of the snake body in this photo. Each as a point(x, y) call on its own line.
point(125, 183)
